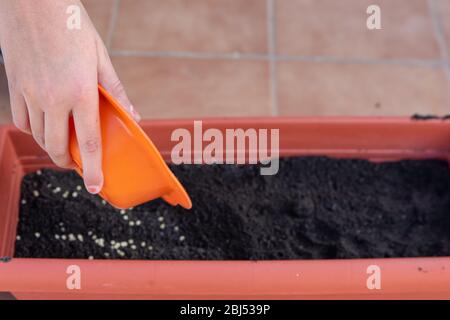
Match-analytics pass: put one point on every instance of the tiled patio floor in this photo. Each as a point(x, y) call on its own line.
point(196, 58)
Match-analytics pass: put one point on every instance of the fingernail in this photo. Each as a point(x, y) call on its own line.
point(93, 189)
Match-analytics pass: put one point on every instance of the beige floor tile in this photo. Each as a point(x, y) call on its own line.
point(338, 28)
point(443, 13)
point(100, 12)
point(162, 88)
point(361, 90)
point(192, 25)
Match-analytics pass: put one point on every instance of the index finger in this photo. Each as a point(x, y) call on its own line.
point(87, 127)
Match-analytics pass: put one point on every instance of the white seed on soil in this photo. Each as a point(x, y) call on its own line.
point(133, 247)
point(62, 229)
point(122, 211)
point(65, 194)
point(64, 237)
point(130, 241)
point(124, 244)
point(37, 234)
point(23, 201)
point(162, 226)
point(80, 237)
point(138, 222)
point(100, 242)
point(74, 194)
point(61, 224)
point(150, 248)
point(39, 172)
point(117, 245)
point(125, 217)
point(18, 238)
point(131, 223)
point(121, 253)
point(91, 258)
point(56, 190)
point(36, 193)
point(106, 254)
point(176, 228)
point(72, 237)
point(103, 202)
point(160, 219)
point(143, 244)
point(49, 185)
point(57, 236)
point(94, 237)
point(182, 238)
point(78, 188)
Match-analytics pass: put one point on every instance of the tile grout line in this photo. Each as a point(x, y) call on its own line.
point(442, 43)
point(271, 43)
point(331, 59)
point(190, 55)
point(438, 31)
point(431, 63)
point(112, 23)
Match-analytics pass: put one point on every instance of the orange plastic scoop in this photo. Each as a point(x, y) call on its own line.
point(133, 169)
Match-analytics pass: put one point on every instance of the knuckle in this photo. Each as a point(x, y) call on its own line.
point(62, 162)
point(39, 137)
point(27, 90)
point(104, 54)
point(58, 155)
point(74, 93)
point(79, 93)
point(90, 146)
point(20, 124)
point(47, 98)
point(117, 88)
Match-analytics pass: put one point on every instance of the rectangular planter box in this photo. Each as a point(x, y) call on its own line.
point(375, 139)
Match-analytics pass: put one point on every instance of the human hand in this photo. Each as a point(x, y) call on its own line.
point(53, 72)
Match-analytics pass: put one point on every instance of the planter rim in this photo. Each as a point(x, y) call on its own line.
point(231, 278)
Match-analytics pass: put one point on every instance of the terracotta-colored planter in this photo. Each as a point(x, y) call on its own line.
point(377, 139)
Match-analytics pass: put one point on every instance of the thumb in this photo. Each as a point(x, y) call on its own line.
point(108, 78)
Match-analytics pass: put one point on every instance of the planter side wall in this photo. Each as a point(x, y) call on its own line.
point(368, 138)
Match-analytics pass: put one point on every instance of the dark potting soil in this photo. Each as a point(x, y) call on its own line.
point(424, 117)
point(314, 208)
